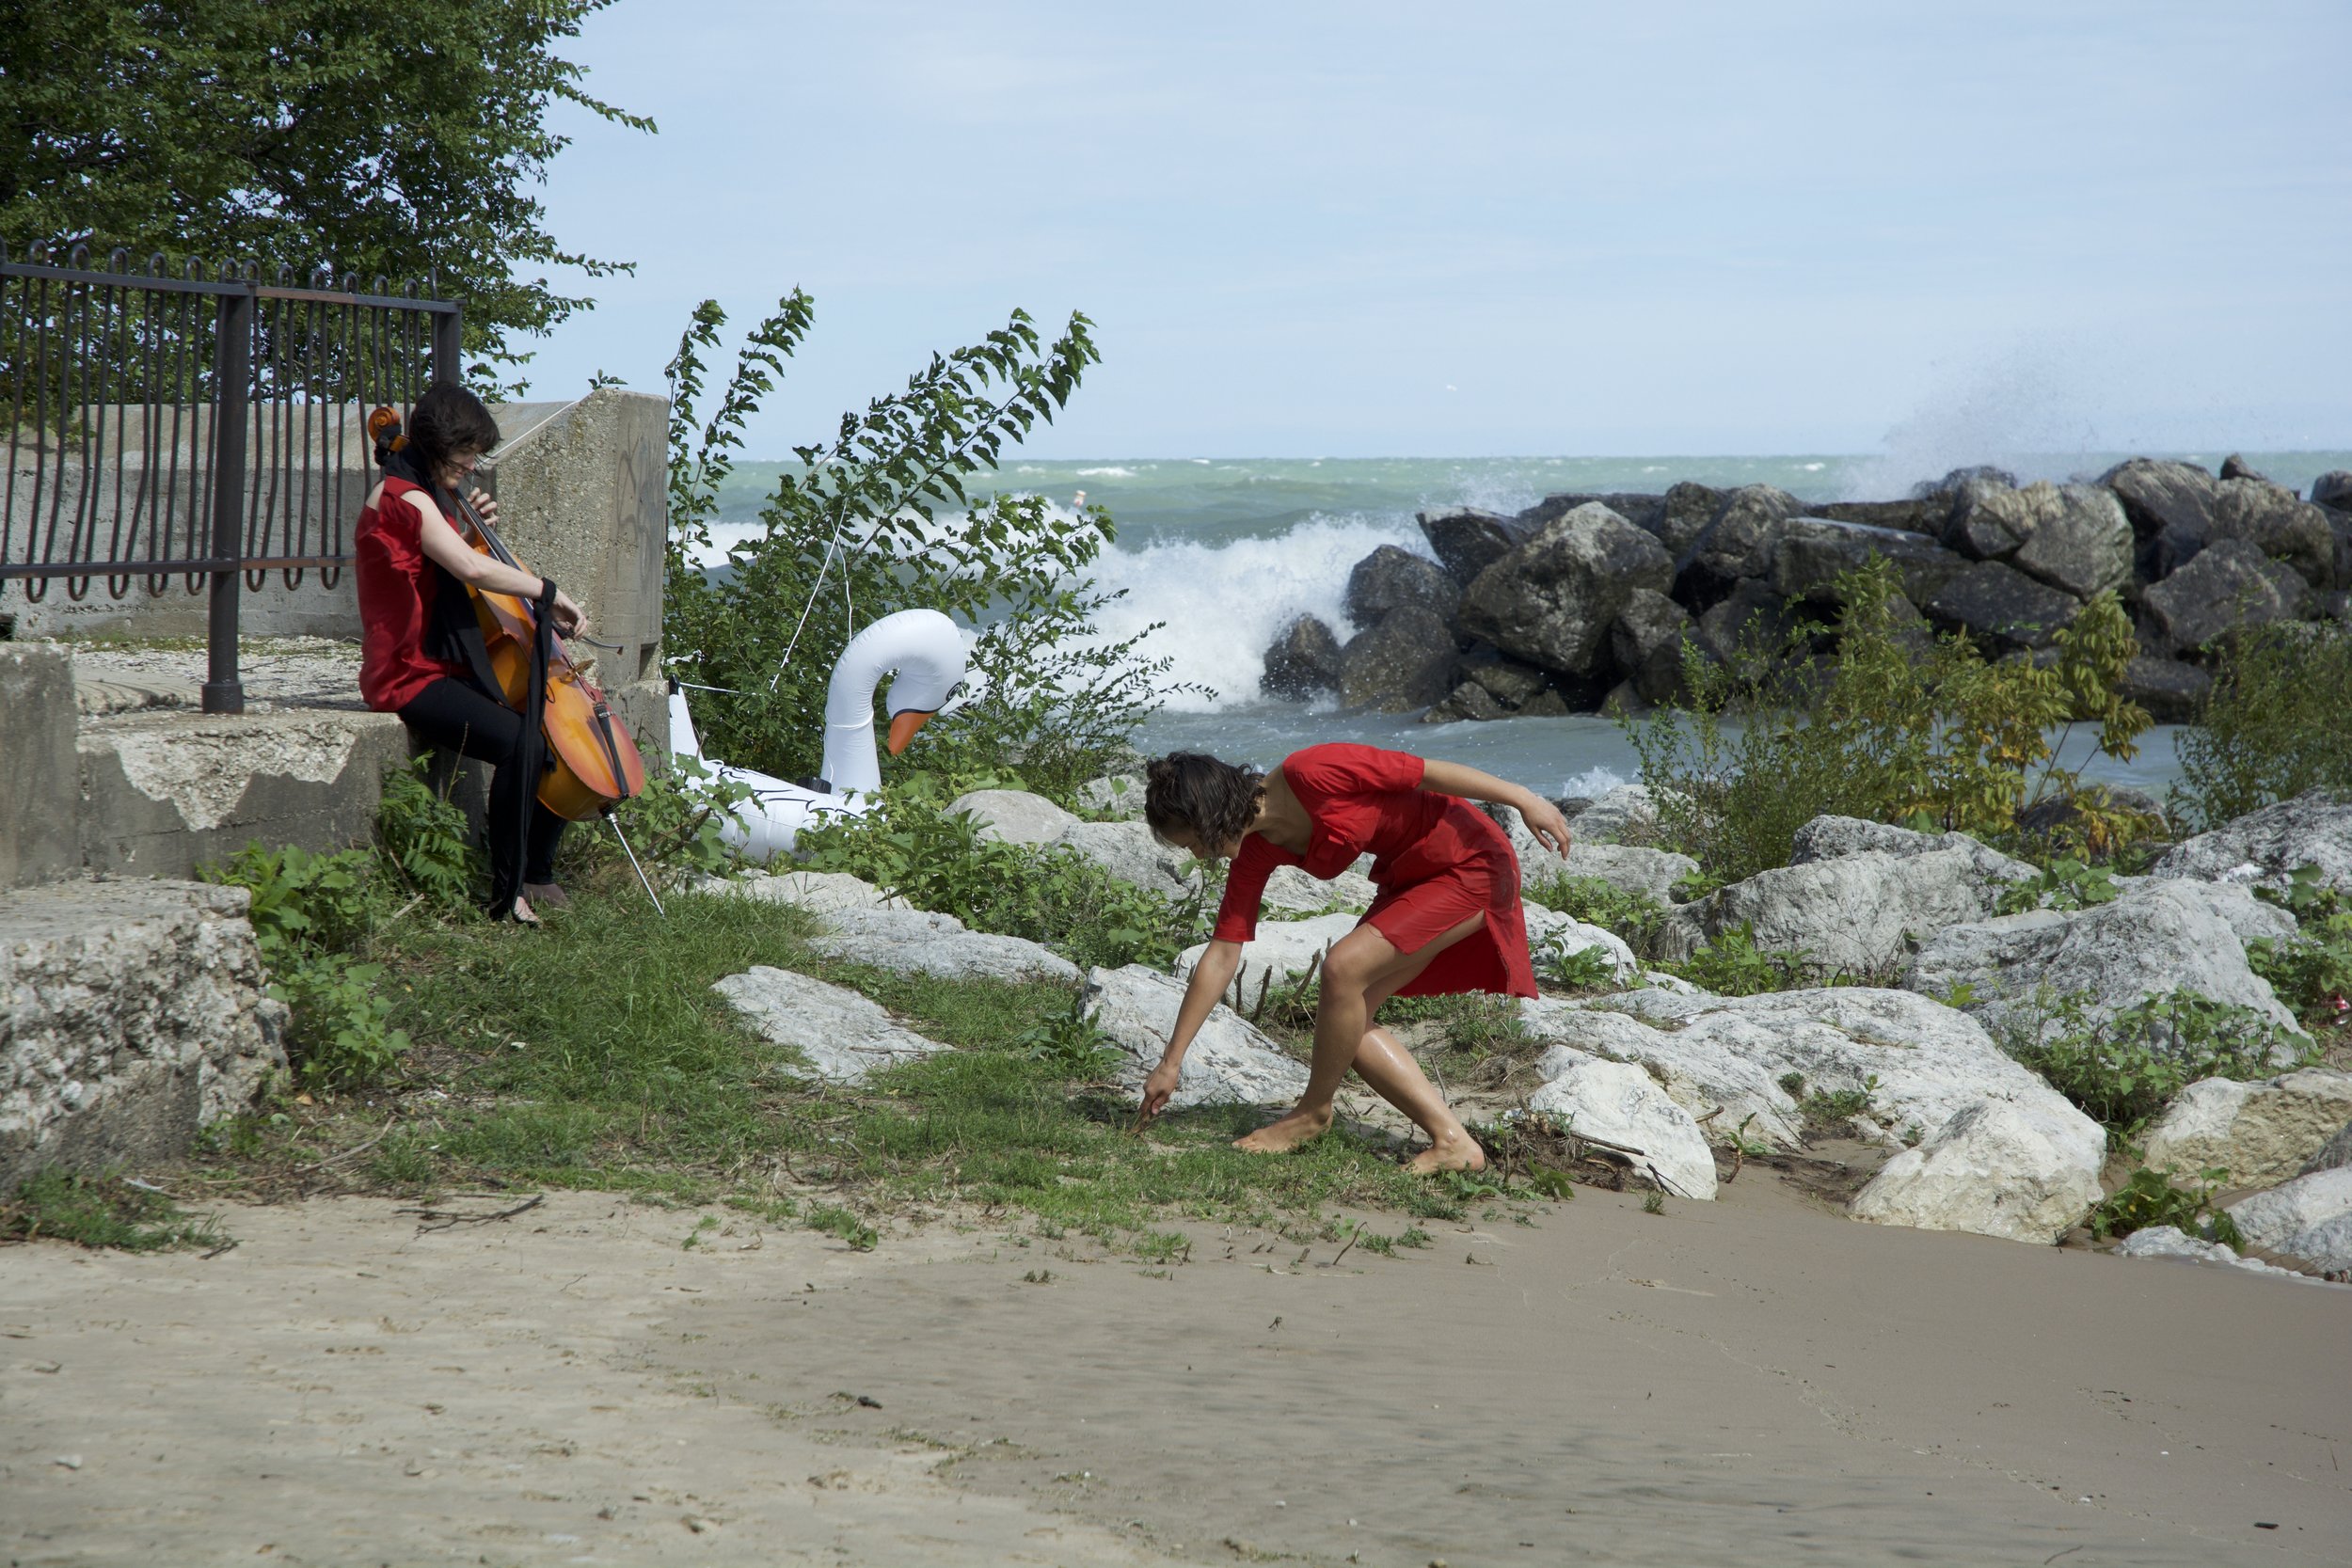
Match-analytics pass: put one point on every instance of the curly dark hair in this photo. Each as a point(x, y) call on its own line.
point(447, 420)
point(1214, 800)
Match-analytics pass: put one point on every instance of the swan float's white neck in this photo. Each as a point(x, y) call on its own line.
point(923, 650)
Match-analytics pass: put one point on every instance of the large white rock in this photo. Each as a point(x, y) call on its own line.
point(819, 890)
point(2309, 1220)
point(2264, 848)
point(1626, 814)
point(1284, 948)
point(1827, 838)
point(1290, 892)
point(841, 1034)
point(1229, 1062)
point(1620, 1103)
point(1993, 1169)
point(1013, 815)
point(1128, 851)
point(1627, 867)
point(920, 941)
point(2170, 1241)
point(2333, 1154)
point(1729, 1061)
point(2260, 1133)
point(1858, 913)
point(2156, 937)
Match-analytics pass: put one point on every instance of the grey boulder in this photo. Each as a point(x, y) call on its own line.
point(1390, 578)
point(1013, 815)
point(2231, 586)
point(919, 941)
point(1625, 815)
point(1651, 873)
point(1128, 851)
point(1467, 539)
point(842, 1035)
point(1404, 663)
point(2170, 1241)
point(1281, 952)
point(1741, 541)
point(2074, 537)
point(2001, 607)
point(1302, 661)
point(2334, 488)
point(2262, 1132)
point(1748, 1064)
point(1620, 1103)
point(2309, 1220)
point(1857, 914)
point(820, 891)
point(2172, 690)
point(1646, 642)
point(1291, 891)
point(2264, 848)
point(1229, 1063)
point(2279, 523)
point(2155, 939)
point(1814, 552)
point(1119, 795)
point(1552, 600)
point(1827, 838)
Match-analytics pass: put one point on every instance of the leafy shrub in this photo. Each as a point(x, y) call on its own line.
point(879, 519)
point(912, 846)
point(1588, 969)
point(2124, 1071)
point(1733, 965)
point(673, 824)
point(2312, 970)
point(1931, 735)
point(2064, 885)
point(2274, 724)
point(2149, 1199)
point(308, 910)
point(423, 837)
point(1633, 916)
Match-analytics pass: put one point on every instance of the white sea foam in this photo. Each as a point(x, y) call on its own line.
point(1592, 784)
point(1223, 604)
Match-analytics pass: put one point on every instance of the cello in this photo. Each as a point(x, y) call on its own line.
point(592, 762)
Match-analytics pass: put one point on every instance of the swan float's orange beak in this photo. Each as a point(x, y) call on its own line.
point(902, 728)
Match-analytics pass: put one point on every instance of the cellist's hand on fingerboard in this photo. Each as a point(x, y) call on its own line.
point(485, 503)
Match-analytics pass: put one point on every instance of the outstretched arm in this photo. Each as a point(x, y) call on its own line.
point(1543, 818)
point(1209, 979)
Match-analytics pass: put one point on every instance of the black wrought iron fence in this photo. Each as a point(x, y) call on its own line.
point(207, 431)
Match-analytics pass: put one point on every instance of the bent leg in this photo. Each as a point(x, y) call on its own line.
point(1384, 1064)
point(1362, 970)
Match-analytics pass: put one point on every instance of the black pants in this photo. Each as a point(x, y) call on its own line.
point(455, 717)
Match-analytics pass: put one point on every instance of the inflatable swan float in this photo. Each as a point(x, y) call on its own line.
point(921, 650)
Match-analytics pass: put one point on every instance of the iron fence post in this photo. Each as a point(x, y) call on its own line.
point(445, 350)
point(232, 389)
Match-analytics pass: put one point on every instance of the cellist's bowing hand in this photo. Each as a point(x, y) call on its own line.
point(569, 618)
point(1544, 820)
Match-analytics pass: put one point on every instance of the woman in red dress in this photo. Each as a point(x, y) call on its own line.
point(420, 646)
point(1447, 918)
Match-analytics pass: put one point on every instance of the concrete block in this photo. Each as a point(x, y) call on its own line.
point(131, 1014)
point(164, 793)
point(39, 785)
point(583, 494)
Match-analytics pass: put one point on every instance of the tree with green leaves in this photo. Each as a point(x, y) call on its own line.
point(400, 140)
point(886, 516)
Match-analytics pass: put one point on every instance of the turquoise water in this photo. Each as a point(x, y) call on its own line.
point(1222, 552)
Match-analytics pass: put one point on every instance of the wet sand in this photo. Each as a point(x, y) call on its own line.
point(1755, 1380)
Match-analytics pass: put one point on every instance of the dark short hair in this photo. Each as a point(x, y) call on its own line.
point(1216, 800)
point(446, 420)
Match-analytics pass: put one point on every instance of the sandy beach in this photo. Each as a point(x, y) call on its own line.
point(1755, 1380)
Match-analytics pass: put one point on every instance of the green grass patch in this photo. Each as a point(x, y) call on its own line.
point(104, 1212)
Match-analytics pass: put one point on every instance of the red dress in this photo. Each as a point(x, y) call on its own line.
point(1438, 861)
point(396, 583)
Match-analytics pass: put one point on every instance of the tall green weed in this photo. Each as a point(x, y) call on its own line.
point(1892, 728)
point(2274, 725)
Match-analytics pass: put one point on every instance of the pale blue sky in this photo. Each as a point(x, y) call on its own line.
point(1368, 228)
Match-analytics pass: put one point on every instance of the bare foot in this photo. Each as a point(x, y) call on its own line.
point(1457, 1151)
point(1279, 1137)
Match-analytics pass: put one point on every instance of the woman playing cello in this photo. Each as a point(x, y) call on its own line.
point(414, 571)
point(1447, 918)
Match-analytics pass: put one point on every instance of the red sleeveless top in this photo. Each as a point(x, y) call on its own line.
point(396, 583)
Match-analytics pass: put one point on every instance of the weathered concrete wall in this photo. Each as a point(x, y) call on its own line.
point(133, 1017)
point(40, 785)
point(164, 793)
